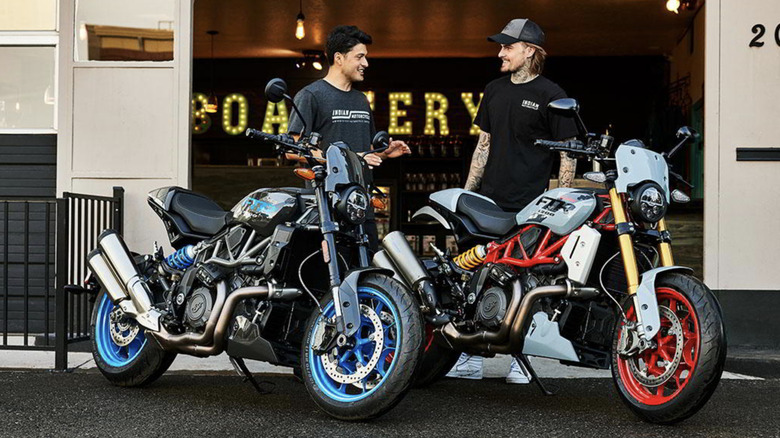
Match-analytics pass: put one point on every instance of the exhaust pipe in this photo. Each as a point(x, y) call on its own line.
point(212, 341)
point(110, 283)
point(487, 341)
point(409, 267)
point(118, 258)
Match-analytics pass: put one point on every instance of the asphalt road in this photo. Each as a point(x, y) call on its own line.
point(83, 403)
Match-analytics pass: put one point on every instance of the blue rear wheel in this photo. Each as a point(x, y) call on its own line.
point(119, 339)
point(122, 351)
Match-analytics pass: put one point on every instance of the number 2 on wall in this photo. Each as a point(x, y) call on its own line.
point(759, 30)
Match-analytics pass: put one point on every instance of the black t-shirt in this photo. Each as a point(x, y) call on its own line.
point(335, 114)
point(515, 115)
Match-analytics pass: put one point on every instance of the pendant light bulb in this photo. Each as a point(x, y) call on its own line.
point(300, 32)
point(673, 6)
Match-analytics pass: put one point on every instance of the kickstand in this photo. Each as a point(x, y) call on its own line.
point(523, 360)
point(240, 366)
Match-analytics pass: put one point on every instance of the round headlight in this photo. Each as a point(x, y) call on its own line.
point(353, 205)
point(648, 203)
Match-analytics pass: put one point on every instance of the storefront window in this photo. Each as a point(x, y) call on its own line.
point(28, 15)
point(27, 88)
point(120, 30)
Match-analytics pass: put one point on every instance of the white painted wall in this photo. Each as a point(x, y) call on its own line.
point(125, 123)
point(742, 109)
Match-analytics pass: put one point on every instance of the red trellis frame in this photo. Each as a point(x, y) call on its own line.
point(546, 252)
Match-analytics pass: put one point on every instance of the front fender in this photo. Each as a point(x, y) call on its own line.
point(345, 298)
point(646, 302)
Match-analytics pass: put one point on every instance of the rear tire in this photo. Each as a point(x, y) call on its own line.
point(699, 361)
point(392, 375)
point(436, 361)
point(139, 363)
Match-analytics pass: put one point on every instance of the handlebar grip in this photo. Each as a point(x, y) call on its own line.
point(254, 133)
point(552, 144)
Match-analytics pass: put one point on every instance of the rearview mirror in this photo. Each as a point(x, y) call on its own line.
point(687, 132)
point(275, 90)
point(381, 140)
point(566, 105)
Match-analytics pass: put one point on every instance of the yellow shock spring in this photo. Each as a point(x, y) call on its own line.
point(472, 258)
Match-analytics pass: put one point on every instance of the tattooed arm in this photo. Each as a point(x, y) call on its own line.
point(478, 162)
point(566, 172)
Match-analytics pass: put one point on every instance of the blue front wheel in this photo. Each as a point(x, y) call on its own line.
point(365, 375)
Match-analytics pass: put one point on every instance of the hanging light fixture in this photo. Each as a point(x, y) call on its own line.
point(673, 6)
point(300, 32)
point(211, 103)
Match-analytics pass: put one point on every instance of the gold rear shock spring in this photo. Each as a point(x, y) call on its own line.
point(472, 258)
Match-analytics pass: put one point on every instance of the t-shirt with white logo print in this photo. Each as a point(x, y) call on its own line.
point(335, 114)
point(515, 115)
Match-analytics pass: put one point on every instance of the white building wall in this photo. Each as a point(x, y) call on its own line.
point(742, 109)
point(125, 124)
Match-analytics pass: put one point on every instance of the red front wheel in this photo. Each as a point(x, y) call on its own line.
point(674, 378)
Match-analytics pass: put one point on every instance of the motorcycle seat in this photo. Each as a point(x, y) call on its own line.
point(488, 217)
point(202, 214)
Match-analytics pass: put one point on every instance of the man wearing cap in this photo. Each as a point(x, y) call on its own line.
point(506, 165)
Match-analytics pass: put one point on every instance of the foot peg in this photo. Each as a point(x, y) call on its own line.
point(522, 359)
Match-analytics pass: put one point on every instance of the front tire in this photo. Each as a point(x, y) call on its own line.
point(674, 379)
point(135, 360)
point(340, 381)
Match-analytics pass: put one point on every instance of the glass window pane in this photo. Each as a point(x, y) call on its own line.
point(121, 30)
point(27, 88)
point(28, 15)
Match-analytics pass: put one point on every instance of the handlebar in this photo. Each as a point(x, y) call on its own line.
point(574, 146)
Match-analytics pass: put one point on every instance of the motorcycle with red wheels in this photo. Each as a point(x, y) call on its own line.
point(584, 276)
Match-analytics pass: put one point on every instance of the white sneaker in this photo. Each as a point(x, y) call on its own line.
point(467, 367)
point(518, 374)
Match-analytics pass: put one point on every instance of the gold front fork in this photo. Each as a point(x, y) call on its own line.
point(626, 245)
point(665, 248)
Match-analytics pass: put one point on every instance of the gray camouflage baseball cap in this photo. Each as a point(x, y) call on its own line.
point(520, 29)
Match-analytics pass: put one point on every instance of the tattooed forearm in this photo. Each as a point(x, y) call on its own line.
point(566, 172)
point(478, 162)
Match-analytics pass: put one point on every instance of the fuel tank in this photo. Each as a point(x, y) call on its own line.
point(266, 208)
point(561, 210)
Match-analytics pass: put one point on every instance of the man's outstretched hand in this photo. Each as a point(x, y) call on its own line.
point(397, 148)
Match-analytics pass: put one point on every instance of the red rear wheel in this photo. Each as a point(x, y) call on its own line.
point(676, 376)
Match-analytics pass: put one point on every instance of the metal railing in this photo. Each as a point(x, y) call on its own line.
point(80, 220)
point(27, 266)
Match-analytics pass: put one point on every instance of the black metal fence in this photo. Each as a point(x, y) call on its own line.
point(44, 246)
point(80, 220)
point(27, 266)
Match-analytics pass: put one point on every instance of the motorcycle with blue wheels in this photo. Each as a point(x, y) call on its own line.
point(284, 277)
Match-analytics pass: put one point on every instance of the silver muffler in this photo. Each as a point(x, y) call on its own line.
point(401, 259)
point(117, 272)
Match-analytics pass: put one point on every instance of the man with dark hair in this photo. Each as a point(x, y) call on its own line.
point(506, 165)
point(337, 111)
